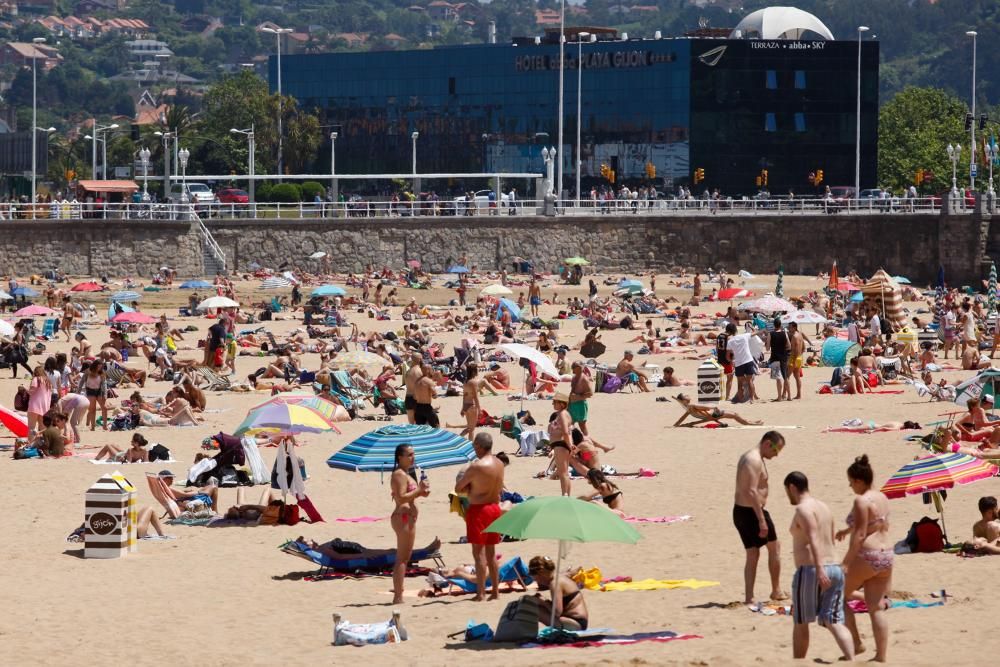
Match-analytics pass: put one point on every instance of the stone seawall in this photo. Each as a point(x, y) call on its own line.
point(910, 244)
point(99, 247)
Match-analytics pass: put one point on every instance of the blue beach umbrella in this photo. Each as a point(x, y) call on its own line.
point(196, 284)
point(125, 296)
point(375, 451)
point(857, 297)
point(457, 268)
point(329, 290)
point(23, 291)
point(511, 307)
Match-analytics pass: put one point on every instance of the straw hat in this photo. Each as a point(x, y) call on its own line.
point(560, 398)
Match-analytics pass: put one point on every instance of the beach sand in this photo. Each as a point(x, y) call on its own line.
point(228, 596)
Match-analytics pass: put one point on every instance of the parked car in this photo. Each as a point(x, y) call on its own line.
point(938, 199)
point(232, 196)
point(482, 199)
point(199, 194)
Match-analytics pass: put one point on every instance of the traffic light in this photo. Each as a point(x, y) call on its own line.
point(650, 170)
point(763, 177)
point(968, 122)
point(919, 178)
point(819, 177)
point(699, 175)
point(982, 121)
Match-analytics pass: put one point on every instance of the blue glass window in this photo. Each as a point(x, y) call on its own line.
point(770, 124)
point(772, 80)
point(800, 80)
point(800, 122)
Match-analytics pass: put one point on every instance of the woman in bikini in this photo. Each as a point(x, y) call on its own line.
point(606, 491)
point(405, 491)
point(95, 387)
point(470, 399)
point(560, 436)
point(869, 559)
point(571, 610)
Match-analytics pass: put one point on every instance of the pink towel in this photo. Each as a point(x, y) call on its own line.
point(360, 519)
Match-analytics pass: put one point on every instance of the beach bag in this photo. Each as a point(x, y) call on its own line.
point(228, 477)
point(289, 515)
point(21, 399)
point(519, 621)
point(158, 453)
point(925, 536)
point(612, 384)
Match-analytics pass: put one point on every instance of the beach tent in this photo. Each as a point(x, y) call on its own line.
point(510, 307)
point(885, 294)
point(838, 351)
point(985, 383)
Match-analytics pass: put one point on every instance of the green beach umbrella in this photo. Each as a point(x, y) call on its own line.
point(993, 288)
point(779, 289)
point(565, 519)
point(576, 261)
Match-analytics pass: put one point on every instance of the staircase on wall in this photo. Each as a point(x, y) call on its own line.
point(213, 258)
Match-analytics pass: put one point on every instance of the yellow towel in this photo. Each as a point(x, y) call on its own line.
point(657, 584)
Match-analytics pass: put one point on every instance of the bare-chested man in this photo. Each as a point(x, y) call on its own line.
point(534, 297)
point(580, 389)
point(796, 358)
point(482, 482)
point(627, 371)
point(752, 521)
point(423, 396)
point(986, 531)
point(818, 583)
point(411, 377)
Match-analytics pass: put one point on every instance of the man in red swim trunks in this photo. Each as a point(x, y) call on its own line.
point(482, 482)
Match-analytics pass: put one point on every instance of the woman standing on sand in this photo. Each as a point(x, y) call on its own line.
point(94, 385)
point(869, 559)
point(405, 491)
point(40, 398)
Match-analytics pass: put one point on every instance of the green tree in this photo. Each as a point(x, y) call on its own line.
point(239, 101)
point(915, 128)
point(302, 140)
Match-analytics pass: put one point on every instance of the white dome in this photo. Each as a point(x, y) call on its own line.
point(779, 23)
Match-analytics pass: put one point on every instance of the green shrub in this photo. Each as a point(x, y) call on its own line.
point(262, 191)
point(286, 193)
point(310, 189)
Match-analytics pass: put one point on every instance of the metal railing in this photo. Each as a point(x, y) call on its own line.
point(209, 240)
point(461, 208)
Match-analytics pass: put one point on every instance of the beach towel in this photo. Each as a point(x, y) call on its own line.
point(859, 606)
point(360, 519)
point(618, 640)
point(258, 471)
point(657, 519)
point(113, 462)
point(657, 584)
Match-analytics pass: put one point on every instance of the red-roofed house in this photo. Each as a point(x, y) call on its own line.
point(546, 17)
point(22, 54)
point(352, 39)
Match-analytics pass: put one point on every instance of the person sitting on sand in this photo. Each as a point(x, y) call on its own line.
point(570, 608)
point(629, 374)
point(854, 382)
point(177, 410)
point(136, 453)
point(605, 490)
point(585, 449)
point(671, 380)
point(972, 360)
point(188, 497)
point(701, 414)
point(986, 531)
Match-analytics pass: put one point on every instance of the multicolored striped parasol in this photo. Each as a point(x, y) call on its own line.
point(375, 451)
point(937, 472)
point(779, 289)
point(285, 418)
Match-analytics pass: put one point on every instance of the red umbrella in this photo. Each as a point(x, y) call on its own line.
point(732, 293)
point(845, 286)
point(134, 318)
point(33, 310)
point(87, 287)
point(14, 422)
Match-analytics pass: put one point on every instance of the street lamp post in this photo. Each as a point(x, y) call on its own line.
point(954, 152)
point(278, 32)
point(183, 158)
point(857, 133)
point(972, 129)
point(579, 109)
point(251, 158)
point(144, 159)
point(333, 169)
point(98, 131)
point(992, 153)
point(562, 50)
point(166, 137)
point(34, 118)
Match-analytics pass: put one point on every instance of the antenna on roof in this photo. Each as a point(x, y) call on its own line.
point(702, 22)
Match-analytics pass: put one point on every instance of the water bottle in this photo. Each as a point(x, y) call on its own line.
point(423, 477)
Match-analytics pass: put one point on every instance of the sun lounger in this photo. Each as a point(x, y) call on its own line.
point(161, 492)
point(353, 563)
point(510, 572)
point(213, 381)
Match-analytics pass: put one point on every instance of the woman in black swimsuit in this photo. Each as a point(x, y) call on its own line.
point(559, 428)
point(571, 610)
point(608, 492)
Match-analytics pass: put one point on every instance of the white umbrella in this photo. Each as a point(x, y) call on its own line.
point(543, 363)
point(496, 290)
point(317, 255)
point(803, 317)
point(6, 328)
point(217, 302)
point(768, 304)
point(4, 296)
point(275, 282)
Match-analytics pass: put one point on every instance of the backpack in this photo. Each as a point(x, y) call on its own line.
point(925, 536)
point(519, 621)
point(612, 384)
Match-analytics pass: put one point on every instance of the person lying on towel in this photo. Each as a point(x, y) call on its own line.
point(338, 549)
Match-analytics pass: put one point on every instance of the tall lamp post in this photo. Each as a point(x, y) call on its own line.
point(857, 122)
point(98, 131)
point(992, 153)
point(166, 137)
point(972, 128)
point(144, 159)
point(579, 109)
point(251, 158)
point(183, 159)
point(562, 50)
point(278, 32)
point(333, 167)
point(414, 138)
point(34, 117)
point(954, 152)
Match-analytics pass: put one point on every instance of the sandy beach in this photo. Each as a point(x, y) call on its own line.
point(229, 596)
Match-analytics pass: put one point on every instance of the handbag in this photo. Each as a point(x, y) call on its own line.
point(519, 621)
point(289, 515)
point(227, 477)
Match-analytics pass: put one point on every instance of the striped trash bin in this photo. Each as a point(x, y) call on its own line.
point(929, 335)
point(709, 382)
point(109, 518)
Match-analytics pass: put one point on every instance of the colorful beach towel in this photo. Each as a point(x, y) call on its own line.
point(657, 519)
point(618, 640)
point(859, 606)
point(657, 584)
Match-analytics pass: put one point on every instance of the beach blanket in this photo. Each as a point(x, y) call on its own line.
point(756, 427)
point(657, 584)
point(657, 519)
point(859, 606)
point(618, 640)
point(360, 519)
point(115, 463)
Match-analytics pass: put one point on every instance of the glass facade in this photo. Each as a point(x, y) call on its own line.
point(494, 107)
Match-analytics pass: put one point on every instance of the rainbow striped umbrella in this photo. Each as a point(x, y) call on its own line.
point(286, 418)
point(375, 451)
point(321, 405)
point(937, 472)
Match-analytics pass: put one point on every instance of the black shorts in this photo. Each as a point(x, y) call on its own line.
point(747, 369)
point(745, 520)
point(94, 393)
point(423, 413)
point(409, 403)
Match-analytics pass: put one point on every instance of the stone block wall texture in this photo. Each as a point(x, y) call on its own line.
point(910, 244)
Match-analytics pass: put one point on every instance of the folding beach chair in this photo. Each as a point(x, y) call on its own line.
point(512, 572)
point(212, 380)
point(114, 373)
point(355, 563)
point(347, 386)
point(162, 493)
point(49, 328)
